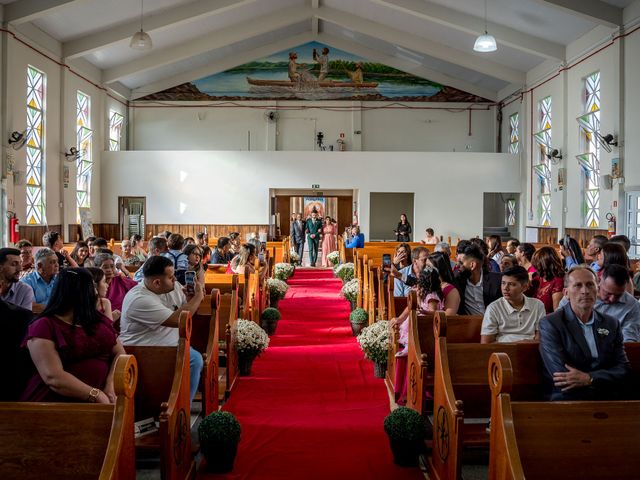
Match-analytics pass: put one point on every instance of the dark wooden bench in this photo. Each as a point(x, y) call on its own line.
point(204, 338)
point(71, 440)
point(559, 440)
point(163, 393)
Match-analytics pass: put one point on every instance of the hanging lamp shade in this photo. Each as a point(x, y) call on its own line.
point(485, 43)
point(141, 41)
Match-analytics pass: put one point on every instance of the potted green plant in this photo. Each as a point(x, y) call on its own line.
point(407, 431)
point(374, 342)
point(219, 434)
point(277, 290)
point(359, 319)
point(251, 341)
point(269, 320)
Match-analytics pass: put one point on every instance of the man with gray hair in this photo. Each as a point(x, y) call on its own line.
point(41, 281)
point(407, 277)
point(446, 249)
point(157, 246)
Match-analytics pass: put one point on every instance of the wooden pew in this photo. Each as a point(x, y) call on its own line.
point(71, 440)
point(204, 338)
point(230, 347)
point(461, 391)
point(163, 393)
point(559, 440)
point(227, 306)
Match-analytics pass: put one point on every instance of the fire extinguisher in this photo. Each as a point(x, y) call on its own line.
point(611, 224)
point(14, 227)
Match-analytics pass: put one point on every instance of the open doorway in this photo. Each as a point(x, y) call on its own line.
point(132, 213)
point(385, 209)
point(500, 215)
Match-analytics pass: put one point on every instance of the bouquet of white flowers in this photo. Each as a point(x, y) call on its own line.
point(293, 256)
point(277, 288)
point(350, 290)
point(374, 341)
point(334, 258)
point(344, 271)
point(251, 340)
point(283, 270)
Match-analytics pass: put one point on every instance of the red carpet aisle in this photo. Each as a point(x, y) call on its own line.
point(312, 409)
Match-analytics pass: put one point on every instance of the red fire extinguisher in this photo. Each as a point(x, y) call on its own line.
point(14, 227)
point(611, 224)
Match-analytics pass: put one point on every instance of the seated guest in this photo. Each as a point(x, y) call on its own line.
point(508, 261)
point(490, 264)
point(80, 253)
point(446, 249)
point(408, 277)
point(128, 257)
point(460, 249)
point(157, 246)
point(189, 241)
point(550, 279)
point(100, 244)
point(235, 243)
point(477, 286)
point(202, 239)
point(12, 290)
point(255, 241)
point(451, 297)
point(402, 256)
point(514, 317)
point(622, 240)
point(92, 251)
point(103, 304)
point(166, 234)
point(221, 255)
point(590, 253)
point(356, 240)
point(571, 252)
point(524, 255)
point(26, 257)
point(582, 349)
point(494, 242)
point(512, 245)
point(615, 302)
point(53, 240)
point(118, 285)
point(245, 261)
point(137, 247)
point(15, 321)
point(613, 254)
point(151, 312)
point(175, 242)
point(206, 256)
point(42, 280)
point(73, 346)
point(194, 255)
point(430, 237)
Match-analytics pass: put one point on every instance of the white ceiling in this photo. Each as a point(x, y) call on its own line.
point(432, 38)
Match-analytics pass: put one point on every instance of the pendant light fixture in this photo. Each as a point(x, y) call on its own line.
point(485, 42)
point(141, 40)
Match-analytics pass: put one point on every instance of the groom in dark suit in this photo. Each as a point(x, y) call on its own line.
point(582, 350)
point(313, 229)
point(297, 236)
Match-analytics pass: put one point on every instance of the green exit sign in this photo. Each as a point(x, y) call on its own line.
point(316, 186)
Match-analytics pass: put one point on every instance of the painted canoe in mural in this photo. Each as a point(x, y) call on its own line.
point(325, 84)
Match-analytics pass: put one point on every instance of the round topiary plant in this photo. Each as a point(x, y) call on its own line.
point(219, 435)
point(359, 316)
point(406, 430)
point(271, 314)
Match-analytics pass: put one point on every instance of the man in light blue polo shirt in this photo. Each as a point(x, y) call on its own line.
point(42, 280)
point(402, 287)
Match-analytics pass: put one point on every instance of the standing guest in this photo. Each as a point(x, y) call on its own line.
point(407, 277)
point(26, 258)
point(313, 230)
point(152, 311)
point(103, 304)
point(189, 241)
point(202, 239)
point(221, 254)
point(234, 238)
point(80, 253)
point(571, 252)
point(494, 242)
point(194, 257)
point(512, 245)
point(297, 236)
point(12, 290)
point(582, 350)
point(53, 240)
point(73, 346)
point(508, 261)
point(514, 317)
point(430, 237)
point(403, 230)
point(329, 241)
point(550, 279)
point(43, 278)
point(118, 285)
point(478, 287)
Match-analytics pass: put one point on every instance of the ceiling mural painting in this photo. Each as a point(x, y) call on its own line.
point(314, 71)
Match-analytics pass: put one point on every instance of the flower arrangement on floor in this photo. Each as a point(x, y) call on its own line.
point(284, 270)
point(334, 258)
point(251, 341)
point(277, 290)
point(350, 290)
point(374, 342)
point(293, 256)
point(344, 272)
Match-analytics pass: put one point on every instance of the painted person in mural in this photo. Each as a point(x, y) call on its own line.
point(294, 76)
point(323, 61)
point(313, 229)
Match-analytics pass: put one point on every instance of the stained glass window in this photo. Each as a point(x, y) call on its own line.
point(84, 162)
point(514, 139)
point(115, 130)
point(36, 88)
point(589, 160)
point(511, 212)
point(542, 168)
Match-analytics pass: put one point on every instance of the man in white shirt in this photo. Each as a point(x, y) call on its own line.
point(513, 317)
point(151, 312)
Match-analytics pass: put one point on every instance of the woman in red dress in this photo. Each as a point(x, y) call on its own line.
point(550, 277)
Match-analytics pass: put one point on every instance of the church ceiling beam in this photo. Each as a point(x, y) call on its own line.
point(594, 10)
point(29, 10)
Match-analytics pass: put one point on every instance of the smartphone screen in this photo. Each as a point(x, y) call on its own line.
point(386, 260)
point(261, 257)
point(190, 280)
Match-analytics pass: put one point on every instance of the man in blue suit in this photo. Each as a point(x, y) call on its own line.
point(582, 350)
point(297, 236)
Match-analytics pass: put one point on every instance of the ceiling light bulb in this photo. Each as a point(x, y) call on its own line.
point(485, 43)
point(141, 41)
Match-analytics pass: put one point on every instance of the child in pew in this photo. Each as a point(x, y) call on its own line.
point(514, 317)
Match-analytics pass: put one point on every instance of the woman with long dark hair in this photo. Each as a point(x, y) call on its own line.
point(403, 230)
point(80, 253)
point(451, 297)
point(614, 254)
point(73, 346)
point(550, 277)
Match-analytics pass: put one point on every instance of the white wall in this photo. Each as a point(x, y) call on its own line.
point(187, 186)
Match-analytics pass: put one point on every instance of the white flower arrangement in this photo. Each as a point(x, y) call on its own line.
point(350, 290)
point(334, 258)
point(283, 271)
point(277, 288)
point(293, 256)
point(251, 340)
point(374, 341)
point(344, 271)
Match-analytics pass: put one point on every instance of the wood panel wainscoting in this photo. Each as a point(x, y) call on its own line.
point(584, 235)
point(104, 230)
point(548, 235)
point(34, 233)
point(190, 230)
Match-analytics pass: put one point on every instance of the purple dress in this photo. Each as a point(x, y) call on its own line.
point(87, 358)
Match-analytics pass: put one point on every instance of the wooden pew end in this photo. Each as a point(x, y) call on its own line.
point(500, 373)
